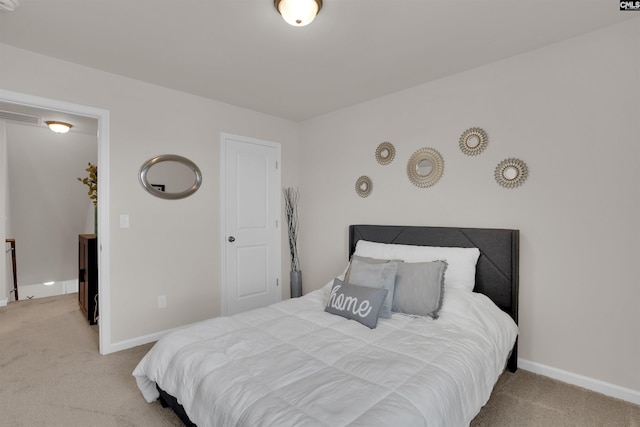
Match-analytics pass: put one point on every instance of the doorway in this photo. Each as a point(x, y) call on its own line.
point(250, 212)
point(20, 100)
point(46, 205)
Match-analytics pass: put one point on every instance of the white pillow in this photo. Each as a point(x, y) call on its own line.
point(461, 269)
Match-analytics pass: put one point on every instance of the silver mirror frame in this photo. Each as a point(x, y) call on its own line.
point(509, 165)
point(364, 181)
point(389, 149)
point(437, 170)
point(473, 150)
point(144, 170)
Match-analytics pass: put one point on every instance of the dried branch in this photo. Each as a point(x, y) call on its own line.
point(291, 196)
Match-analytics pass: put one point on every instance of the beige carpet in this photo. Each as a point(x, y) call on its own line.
point(51, 374)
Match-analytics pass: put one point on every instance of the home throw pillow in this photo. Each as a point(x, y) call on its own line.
point(419, 288)
point(355, 302)
point(381, 276)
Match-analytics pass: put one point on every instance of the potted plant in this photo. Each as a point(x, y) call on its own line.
point(91, 181)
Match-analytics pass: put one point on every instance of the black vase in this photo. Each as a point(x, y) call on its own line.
point(296, 284)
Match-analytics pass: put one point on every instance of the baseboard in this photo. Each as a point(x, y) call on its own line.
point(598, 386)
point(4, 302)
point(134, 342)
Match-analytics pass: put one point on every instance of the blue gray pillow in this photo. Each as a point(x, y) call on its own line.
point(355, 302)
point(367, 260)
point(419, 288)
point(378, 275)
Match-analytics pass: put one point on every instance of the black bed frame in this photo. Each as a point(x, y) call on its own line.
point(166, 400)
point(496, 271)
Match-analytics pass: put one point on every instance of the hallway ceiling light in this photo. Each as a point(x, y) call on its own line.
point(58, 127)
point(297, 12)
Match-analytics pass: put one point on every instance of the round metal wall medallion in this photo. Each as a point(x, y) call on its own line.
point(364, 186)
point(385, 153)
point(425, 167)
point(473, 141)
point(511, 173)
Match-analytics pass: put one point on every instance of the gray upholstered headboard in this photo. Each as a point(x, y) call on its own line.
point(497, 270)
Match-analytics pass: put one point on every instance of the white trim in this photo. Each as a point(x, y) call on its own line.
point(104, 263)
point(3, 302)
point(223, 221)
point(602, 387)
point(145, 339)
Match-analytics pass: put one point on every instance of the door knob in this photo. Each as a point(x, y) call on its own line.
point(232, 239)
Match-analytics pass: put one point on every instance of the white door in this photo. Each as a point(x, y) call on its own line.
point(250, 215)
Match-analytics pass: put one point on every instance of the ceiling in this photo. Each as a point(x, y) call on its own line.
point(241, 51)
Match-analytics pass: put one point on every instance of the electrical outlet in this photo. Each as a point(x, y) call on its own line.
point(162, 301)
point(124, 221)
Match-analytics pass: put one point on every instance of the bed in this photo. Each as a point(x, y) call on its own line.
point(295, 364)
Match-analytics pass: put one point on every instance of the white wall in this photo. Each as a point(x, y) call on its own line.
point(173, 246)
point(571, 112)
point(42, 291)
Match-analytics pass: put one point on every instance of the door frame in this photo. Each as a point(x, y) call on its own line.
point(223, 212)
point(104, 261)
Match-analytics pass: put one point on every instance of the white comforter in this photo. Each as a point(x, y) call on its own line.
point(292, 364)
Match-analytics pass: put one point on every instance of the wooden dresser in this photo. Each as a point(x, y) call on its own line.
point(88, 276)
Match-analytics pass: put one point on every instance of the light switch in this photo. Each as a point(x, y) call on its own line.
point(124, 221)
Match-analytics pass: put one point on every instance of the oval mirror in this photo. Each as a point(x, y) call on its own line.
point(169, 176)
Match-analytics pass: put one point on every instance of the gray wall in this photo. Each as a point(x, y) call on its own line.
point(172, 247)
point(571, 112)
point(48, 206)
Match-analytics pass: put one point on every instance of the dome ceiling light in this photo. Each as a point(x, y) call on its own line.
point(297, 12)
point(58, 127)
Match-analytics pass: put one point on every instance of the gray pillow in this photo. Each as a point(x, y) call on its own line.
point(381, 276)
point(355, 302)
point(419, 288)
point(364, 259)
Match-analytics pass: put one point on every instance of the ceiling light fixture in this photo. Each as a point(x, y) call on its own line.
point(9, 5)
point(297, 12)
point(59, 127)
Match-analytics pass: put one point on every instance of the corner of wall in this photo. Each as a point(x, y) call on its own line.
point(4, 282)
point(592, 384)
